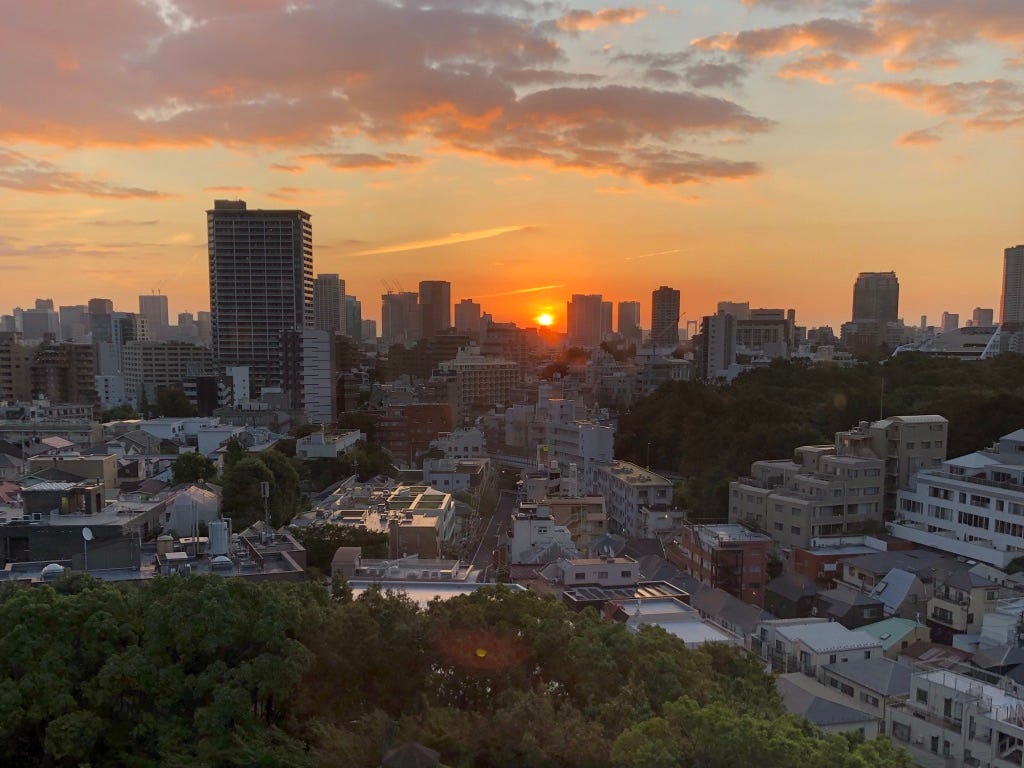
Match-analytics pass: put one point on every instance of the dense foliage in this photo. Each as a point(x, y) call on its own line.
point(322, 540)
point(711, 434)
point(191, 467)
point(207, 671)
point(243, 497)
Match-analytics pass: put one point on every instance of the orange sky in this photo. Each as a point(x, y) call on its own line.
point(762, 151)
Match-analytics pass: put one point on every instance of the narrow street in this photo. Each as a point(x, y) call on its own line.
point(492, 527)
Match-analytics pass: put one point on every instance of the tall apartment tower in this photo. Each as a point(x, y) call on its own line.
point(435, 306)
point(583, 319)
point(154, 309)
point(982, 318)
point(1011, 309)
point(876, 296)
point(467, 317)
point(950, 321)
point(629, 320)
point(665, 317)
point(261, 283)
point(354, 319)
point(329, 313)
point(400, 318)
point(606, 318)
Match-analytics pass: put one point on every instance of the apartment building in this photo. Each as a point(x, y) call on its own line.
point(973, 506)
point(807, 645)
point(151, 365)
point(818, 494)
point(480, 382)
point(629, 491)
point(729, 557)
point(959, 716)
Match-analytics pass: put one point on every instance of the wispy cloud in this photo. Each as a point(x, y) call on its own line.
point(26, 174)
point(656, 253)
point(451, 239)
point(535, 289)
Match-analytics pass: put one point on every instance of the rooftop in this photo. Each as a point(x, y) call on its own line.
point(881, 675)
point(827, 636)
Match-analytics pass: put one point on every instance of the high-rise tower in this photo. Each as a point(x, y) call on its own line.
point(629, 320)
point(665, 317)
point(876, 296)
point(435, 306)
point(329, 303)
point(261, 283)
point(1011, 309)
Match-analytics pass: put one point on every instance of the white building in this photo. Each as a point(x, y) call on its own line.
point(627, 490)
point(308, 373)
point(973, 506)
point(451, 475)
point(461, 444)
point(189, 508)
point(805, 645)
point(959, 717)
point(318, 445)
point(534, 532)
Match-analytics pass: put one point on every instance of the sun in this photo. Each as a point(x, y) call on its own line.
point(545, 319)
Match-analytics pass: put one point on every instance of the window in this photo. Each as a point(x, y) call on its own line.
point(922, 696)
point(832, 660)
point(794, 529)
point(602, 574)
point(901, 731)
point(580, 576)
point(867, 654)
point(627, 574)
point(867, 698)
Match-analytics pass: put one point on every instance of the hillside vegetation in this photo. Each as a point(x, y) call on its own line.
point(711, 434)
point(208, 671)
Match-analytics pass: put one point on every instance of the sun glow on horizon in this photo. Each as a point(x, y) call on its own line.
point(545, 319)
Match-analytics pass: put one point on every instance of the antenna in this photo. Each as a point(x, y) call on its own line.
point(86, 538)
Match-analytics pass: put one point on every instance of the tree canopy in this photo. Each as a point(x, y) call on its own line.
point(210, 671)
point(711, 434)
point(192, 466)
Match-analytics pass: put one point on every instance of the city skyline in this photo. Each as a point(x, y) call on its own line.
point(579, 149)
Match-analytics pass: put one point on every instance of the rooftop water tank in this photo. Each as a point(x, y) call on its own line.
point(220, 539)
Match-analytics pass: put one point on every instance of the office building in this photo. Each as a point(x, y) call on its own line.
point(1011, 308)
point(983, 318)
point(64, 372)
point(876, 296)
point(950, 321)
point(329, 306)
point(718, 345)
point(154, 309)
point(401, 320)
point(100, 306)
point(665, 317)
point(738, 309)
point(629, 321)
point(435, 307)
point(467, 318)
point(354, 320)
point(261, 283)
point(74, 322)
point(40, 323)
point(606, 319)
point(153, 365)
point(583, 320)
point(308, 373)
point(369, 330)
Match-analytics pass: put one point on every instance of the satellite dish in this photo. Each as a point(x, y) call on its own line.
point(87, 534)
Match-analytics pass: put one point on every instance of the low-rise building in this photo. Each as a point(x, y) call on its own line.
point(896, 634)
point(805, 645)
point(451, 475)
point(627, 489)
point(729, 557)
point(535, 537)
point(319, 445)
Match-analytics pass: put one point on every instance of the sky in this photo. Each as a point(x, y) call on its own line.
point(743, 150)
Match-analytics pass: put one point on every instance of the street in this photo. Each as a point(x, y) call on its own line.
point(492, 528)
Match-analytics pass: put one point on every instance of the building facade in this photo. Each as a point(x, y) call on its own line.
point(665, 317)
point(329, 307)
point(261, 283)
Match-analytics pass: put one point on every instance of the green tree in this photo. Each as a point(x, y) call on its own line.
point(191, 467)
point(234, 452)
point(171, 401)
point(242, 494)
point(285, 494)
point(322, 540)
point(119, 412)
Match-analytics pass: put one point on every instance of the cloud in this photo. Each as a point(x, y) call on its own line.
point(287, 168)
point(121, 223)
point(817, 67)
point(25, 174)
point(485, 78)
point(983, 104)
point(534, 289)
point(922, 138)
point(842, 35)
point(451, 239)
point(656, 253)
point(586, 21)
point(226, 190)
point(360, 161)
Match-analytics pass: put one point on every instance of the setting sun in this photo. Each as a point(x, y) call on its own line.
point(545, 319)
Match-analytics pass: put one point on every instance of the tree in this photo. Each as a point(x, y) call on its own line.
point(242, 494)
point(285, 495)
point(322, 540)
point(234, 452)
point(119, 413)
point(171, 401)
point(191, 467)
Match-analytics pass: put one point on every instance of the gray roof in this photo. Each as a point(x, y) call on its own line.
point(964, 578)
point(657, 568)
point(819, 711)
point(1000, 656)
point(917, 561)
point(893, 589)
point(608, 542)
point(728, 610)
point(881, 675)
point(792, 586)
